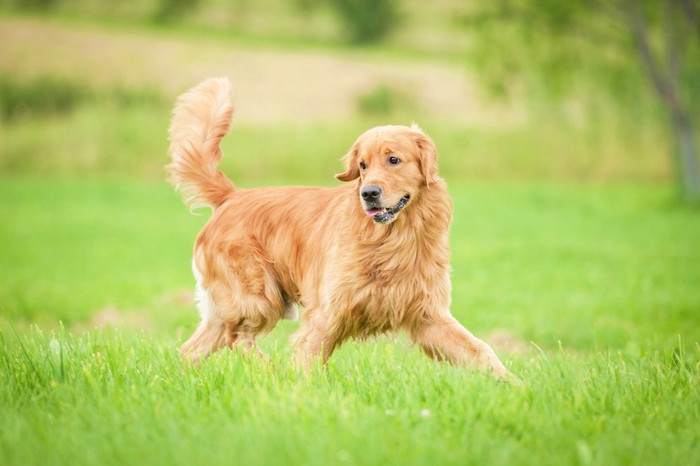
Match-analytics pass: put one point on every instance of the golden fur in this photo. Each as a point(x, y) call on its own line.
point(265, 250)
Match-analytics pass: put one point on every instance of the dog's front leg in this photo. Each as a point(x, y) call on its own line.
point(448, 339)
point(315, 341)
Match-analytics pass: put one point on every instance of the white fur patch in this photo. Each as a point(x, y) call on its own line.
point(205, 305)
point(291, 312)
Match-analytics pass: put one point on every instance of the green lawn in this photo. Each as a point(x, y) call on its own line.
point(107, 398)
point(602, 280)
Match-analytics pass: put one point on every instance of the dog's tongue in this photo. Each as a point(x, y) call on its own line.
point(373, 212)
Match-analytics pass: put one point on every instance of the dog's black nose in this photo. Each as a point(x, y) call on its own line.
point(371, 192)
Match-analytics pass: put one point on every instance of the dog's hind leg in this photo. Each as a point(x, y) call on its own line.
point(448, 339)
point(240, 335)
point(214, 333)
point(211, 332)
point(237, 297)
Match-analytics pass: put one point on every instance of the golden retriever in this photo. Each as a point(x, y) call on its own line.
point(366, 257)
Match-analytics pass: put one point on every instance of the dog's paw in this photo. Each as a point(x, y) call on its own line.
point(504, 375)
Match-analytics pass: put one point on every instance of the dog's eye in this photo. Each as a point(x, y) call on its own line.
point(394, 160)
point(363, 165)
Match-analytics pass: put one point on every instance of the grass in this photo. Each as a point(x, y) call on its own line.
point(92, 243)
point(601, 280)
point(110, 398)
point(615, 266)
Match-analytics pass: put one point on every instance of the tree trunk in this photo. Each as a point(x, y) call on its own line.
point(687, 155)
point(666, 83)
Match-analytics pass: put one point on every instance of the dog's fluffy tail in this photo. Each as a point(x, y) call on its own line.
point(201, 118)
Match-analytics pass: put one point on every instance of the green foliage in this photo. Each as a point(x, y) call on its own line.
point(553, 47)
point(579, 49)
point(39, 97)
point(367, 21)
point(386, 101)
point(643, 56)
point(50, 96)
point(174, 10)
point(32, 5)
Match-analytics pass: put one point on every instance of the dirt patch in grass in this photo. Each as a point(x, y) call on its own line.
point(113, 317)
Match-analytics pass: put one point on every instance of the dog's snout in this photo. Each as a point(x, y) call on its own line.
point(371, 192)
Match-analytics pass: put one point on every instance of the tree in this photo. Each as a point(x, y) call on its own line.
point(615, 40)
point(169, 11)
point(367, 21)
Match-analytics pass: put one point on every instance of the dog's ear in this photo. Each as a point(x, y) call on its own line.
point(427, 155)
point(352, 170)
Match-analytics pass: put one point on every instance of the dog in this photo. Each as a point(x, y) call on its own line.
point(366, 257)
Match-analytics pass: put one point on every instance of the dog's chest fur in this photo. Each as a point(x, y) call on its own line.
point(387, 283)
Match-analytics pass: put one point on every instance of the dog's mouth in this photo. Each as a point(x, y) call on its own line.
point(387, 214)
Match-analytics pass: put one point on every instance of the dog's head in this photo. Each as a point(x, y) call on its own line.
point(393, 163)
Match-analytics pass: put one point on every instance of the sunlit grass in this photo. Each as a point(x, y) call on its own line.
point(110, 398)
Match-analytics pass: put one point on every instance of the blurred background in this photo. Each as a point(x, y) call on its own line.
point(567, 132)
point(510, 89)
